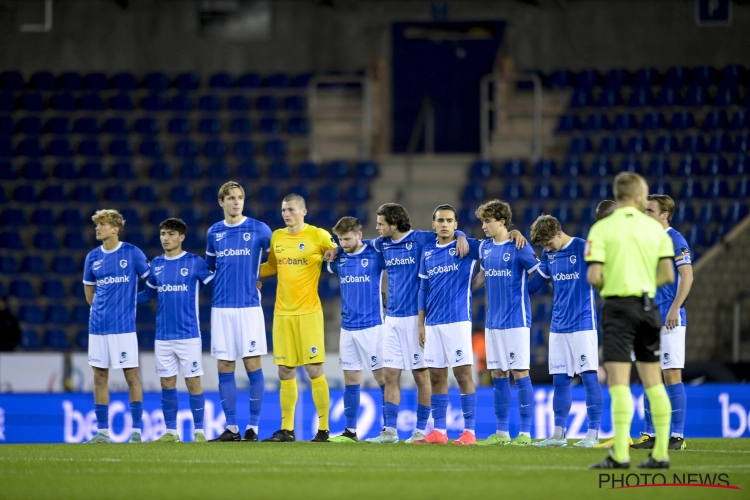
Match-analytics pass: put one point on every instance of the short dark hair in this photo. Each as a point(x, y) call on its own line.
point(605, 209)
point(174, 224)
point(495, 209)
point(665, 202)
point(544, 229)
point(347, 224)
point(295, 197)
point(395, 215)
point(444, 207)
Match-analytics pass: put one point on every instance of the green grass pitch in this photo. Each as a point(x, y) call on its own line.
point(354, 471)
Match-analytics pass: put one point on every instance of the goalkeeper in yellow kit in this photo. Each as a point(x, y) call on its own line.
point(297, 257)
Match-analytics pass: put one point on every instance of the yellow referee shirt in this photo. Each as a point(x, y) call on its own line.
point(629, 245)
point(297, 259)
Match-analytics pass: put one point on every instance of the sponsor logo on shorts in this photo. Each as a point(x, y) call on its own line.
point(280, 358)
point(558, 366)
point(216, 351)
point(387, 360)
point(96, 360)
point(428, 360)
point(246, 236)
point(109, 280)
point(506, 257)
point(253, 346)
point(573, 259)
point(162, 370)
point(373, 360)
point(583, 359)
point(301, 246)
point(123, 263)
point(184, 271)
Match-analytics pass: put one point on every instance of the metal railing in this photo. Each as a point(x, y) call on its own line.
point(339, 81)
point(489, 110)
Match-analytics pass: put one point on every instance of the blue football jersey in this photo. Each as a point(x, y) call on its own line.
point(176, 282)
point(115, 274)
point(449, 281)
point(573, 300)
point(665, 295)
point(235, 252)
point(506, 271)
point(360, 276)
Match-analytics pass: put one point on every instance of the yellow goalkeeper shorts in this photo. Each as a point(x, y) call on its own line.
point(299, 340)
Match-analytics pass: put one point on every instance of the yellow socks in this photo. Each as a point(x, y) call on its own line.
point(622, 417)
point(288, 400)
point(661, 416)
point(322, 400)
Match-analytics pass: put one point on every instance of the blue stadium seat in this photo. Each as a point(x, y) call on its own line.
point(515, 167)
point(55, 193)
point(480, 170)
point(65, 171)
point(580, 145)
point(84, 194)
point(562, 212)
point(696, 237)
point(697, 96)
point(132, 217)
point(187, 81)
point(683, 213)
point(717, 165)
point(249, 81)
point(740, 120)
point(572, 191)
point(146, 126)
point(295, 103)
point(44, 240)
point(158, 215)
point(742, 143)
point(690, 165)
point(327, 217)
point(248, 170)
point(269, 125)
point(95, 81)
point(209, 102)
point(93, 170)
point(13, 217)
point(26, 194)
point(693, 143)
point(238, 103)
point(638, 144)
point(30, 125)
point(53, 289)
point(33, 102)
point(220, 81)
point(668, 97)
point(531, 213)
point(31, 147)
point(666, 144)
point(588, 78)
point(90, 102)
point(337, 170)
point(272, 217)
point(146, 338)
point(720, 142)
point(308, 170)
point(677, 76)
point(302, 80)
point(8, 171)
point(610, 145)
point(7, 148)
point(8, 264)
point(742, 188)
point(581, 98)
point(186, 148)
point(210, 126)
point(7, 126)
point(190, 216)
point(705, 75)
point(44, 216)
point(513, 191)
point(624, 121)
point(244, 149)
point(59, 102)
point(736, 212)
point(33, 264)
point(34, 171)
point(357, 193)
point(473, 193)
point(190, 170)
point(646, 77)
point(71, 217)
point(145, 194)
point(124, 81)
point(121, 102)
point(58, 125)
point(69, 81)
point(82, 339)
point(60, 147)
point(91, 148)
point(150, 148)
point(709, 213)
point(609, 98)
point(178, 126)
point(57, 314)
point(616, 78)
point(641, 97)
point(80, 315)
point(562, 78)
point(21, 289)
point(631, 164)
point(155, 103)
point(596, 122)
point(733, 74)
point(8, 102)
point(715, 119)
point(156, 82)
point(11, 80)
point(240, 126)
point(30, 340)
point(266, 103)
point(717, 189)
point(122, 171)
point(602, 190)
point(545, 168)
point(217, 214)
point(274, 149)
point(217, 170)
point(328, 193)
point(116, 194)
point(569, 123)
point(278, 81)
point(659, 166)
point(269, 194)
point(86, 125)
point(279, 170)
point(692, 188)
point(181, 194)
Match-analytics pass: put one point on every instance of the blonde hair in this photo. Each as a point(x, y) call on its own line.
point(544, 229)
point(109, 216)
point(347, 224)
point(224, 190)
point(666, 204)
point(628, 185)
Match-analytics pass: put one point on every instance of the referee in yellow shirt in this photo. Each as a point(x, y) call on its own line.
point(629, 255)
point(297, 257)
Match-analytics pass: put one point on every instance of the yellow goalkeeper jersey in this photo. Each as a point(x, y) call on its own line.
point(297, 259)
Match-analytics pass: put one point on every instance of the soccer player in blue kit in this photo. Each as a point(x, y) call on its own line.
point(505, 271)
point(360, 269)
point(110, 279)
point(445, 323)
point(573, 343)
point(176, 279)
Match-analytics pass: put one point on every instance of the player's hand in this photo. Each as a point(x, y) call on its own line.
point(421, 336)
point(518, 238)
point(331, 254)
point(462, 246)
point(258, 285)
point(673, 318)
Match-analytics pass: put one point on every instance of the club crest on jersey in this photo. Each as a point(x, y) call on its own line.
point(452, 251)
point(408, 246)
point(583, 359)
point(123, 263)
point(365, 262)
point(220, 236)
point(184, 271)
point(506, 257)
point(573, 259)
point(246, 236)
point(301, 246)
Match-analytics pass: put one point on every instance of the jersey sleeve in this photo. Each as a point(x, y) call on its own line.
point(268, 268)
point(265, 237)
point(422, 267)
point(88, 272)
point(377, 243)
point(681, 251)
point(210, 251)
point(333, 267)
point(141, 264)
point(474, 248)
point(528, 259)
point(543, 269)
point(149, 292)
point(595, 250)
point(202, 272)
point(381, 261)
point(325, 240)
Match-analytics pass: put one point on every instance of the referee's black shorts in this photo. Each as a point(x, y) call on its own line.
point(627, 328)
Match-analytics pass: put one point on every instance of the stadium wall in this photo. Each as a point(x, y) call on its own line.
point(306, 36)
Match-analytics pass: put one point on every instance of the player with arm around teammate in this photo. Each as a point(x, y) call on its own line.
point(573, 344)
point(360, 268)
point(176, 279)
